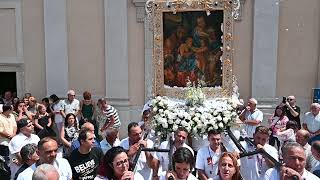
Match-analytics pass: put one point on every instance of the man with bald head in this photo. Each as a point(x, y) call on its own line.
point(251, 117)
point(302, 137)
point(294, 159)
point(76, 144)
point(45, 172)
point(292, 110)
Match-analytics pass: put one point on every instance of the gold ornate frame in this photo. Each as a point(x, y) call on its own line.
point(155, 10)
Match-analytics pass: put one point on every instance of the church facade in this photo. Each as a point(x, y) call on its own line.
point(105, 47)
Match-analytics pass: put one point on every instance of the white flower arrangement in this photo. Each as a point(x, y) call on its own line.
point(214, 114)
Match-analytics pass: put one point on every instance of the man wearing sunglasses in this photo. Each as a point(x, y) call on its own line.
point(292, 110)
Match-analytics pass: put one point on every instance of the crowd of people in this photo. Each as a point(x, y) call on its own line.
point(71, 139)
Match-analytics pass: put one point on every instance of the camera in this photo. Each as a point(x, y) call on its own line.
point(284, 100)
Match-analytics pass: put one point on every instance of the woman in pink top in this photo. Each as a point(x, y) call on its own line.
point(278, 123)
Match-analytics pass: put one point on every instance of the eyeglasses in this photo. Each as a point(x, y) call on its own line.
point(290, 99)
point(123, 162)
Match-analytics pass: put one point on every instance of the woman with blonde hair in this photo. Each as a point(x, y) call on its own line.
point(228, 168)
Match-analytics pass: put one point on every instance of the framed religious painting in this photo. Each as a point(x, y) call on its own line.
point(192, 42)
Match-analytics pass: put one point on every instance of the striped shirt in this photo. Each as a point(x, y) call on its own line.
point(105, 116)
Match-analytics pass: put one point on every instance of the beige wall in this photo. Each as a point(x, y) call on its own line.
point(298, 54)
point(86, 46)
point(33, 47)
point(8, 46)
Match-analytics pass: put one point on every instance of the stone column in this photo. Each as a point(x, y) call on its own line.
point(116, 52)
point(116, 59)
point(56, 47)
point(265, 53)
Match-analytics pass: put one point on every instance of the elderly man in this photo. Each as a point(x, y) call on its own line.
point(294, 159)
point(208, 157)
point(254, 167)
point(251, 117)
point(292, 110)
point(132, 144)
point(311, 121)
point(110, 141)
point(47, 151)
point(45, 172)
point(161, 160)
point(28, 156)
point(85, 160)
point(302, 137)
point(25, 136)
point(71, 104)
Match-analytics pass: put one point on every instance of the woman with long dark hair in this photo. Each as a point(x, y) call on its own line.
point(115, 166)
point(69, 132)
point(278, 123)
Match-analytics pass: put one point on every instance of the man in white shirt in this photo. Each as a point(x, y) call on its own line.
point(208, 157)
point(251, 117)
point(161, 160)
point(71, 104)
point(132, 143)
point(254, 167)
point(47, 151)
point(294, 159)
point(24, 136)
point(311, 121)
point(110, 141)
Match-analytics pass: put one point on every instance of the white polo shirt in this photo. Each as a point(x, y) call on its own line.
point(71, 107)
point(256, 115)
point(15, 145)
point(273, 174)
point(61, 164)
point(142, 166)
point(312, 122)
point(208, 160)
point(254, 167)
point(19, 140)
point(164, 158)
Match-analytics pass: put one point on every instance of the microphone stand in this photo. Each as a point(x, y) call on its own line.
point(171, 145)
